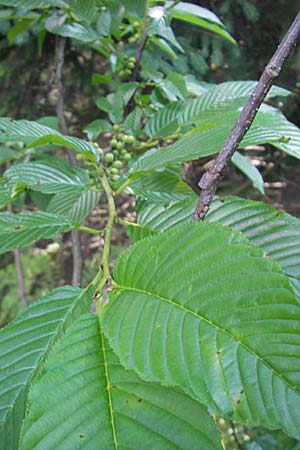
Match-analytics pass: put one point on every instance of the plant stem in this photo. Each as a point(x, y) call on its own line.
point(123, 186)
point(104, 277)
point(88, 229)
point(209, 181)
point(60, 112)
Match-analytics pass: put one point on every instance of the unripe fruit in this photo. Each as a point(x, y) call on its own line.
point(100, 151)
point(136, 24)
point(115, 177)
point(131, 65)
point(131, 40)
point(132, 59)
point(120, 145)
point(109, 157)
point(127, 72)
point(129, 139)
point(116, 127)
point(122, 73)
point(127, 156)
point(117, 164)
point(114, 171)
point(113, 142)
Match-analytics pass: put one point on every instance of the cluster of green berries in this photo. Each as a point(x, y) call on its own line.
point(128, 64)
point(119, 155)
point(137, 33)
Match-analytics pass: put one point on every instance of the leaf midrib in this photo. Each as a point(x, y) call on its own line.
point(218, 327)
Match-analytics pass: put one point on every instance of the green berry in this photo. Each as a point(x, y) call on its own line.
point(131, 40)
point(117, 164)
point(123, 151)
point(136, 24)
point(127, 72)
point(129, 139)
point(109, 157)
point(121, 73)
point(115, 177)
point(120, 145)
point(131, 65)
point(113, 142)
point(100, 151)
point(114, 171)
point(132, 59)
point(127, 156)
point(116, 127)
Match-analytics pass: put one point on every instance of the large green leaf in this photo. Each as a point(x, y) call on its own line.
point(75, 204)
point(24, 345)
point(161, 187)
point(197, 307)
point(214, 97)
point(211, 133)
point(36, 135)
point(277, 233)
point(19, 230)
point(46, 177)
point(202, 17)
point(84, 398)
point(245, 166)
point(31, 4)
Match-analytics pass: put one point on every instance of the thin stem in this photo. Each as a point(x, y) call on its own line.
point(60, 112)
point(89, 230)
point(209, 181)
point(123, 186)
point(103, 277)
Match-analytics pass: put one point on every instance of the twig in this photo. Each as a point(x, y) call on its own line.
point(235, 436)
point(139, 53)
point(209, 181)
point(60, 112)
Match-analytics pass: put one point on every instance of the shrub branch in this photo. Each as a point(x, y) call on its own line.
point(210, 179)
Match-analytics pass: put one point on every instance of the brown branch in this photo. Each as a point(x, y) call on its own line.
point(209, 181)
point(60, 112)
point(18, 264)
point(139, 54)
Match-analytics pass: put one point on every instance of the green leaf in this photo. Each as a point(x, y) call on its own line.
point(135, 8)
point(85, 398)
point(75, 204)
point(96, 127)
point(161, 187)
point(84, 9)
point(215, 97)
point(132, 123)
point(245, 166)
point(48, 178)
point(35, 135)
point(73, 30)
point(18, 28)
point(214, 317)
point(202, 17)
point(19, 230)
point(275, 232)
point(24, 345)
point(32, 4)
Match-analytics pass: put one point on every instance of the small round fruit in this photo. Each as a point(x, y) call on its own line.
point(113, 142)
point(116, 127)
point(109, 157)
point(132, 59)
point(117, 164)
point(120, 145)
point(127, 72)
point(131, 40)
point(121, 73)
point(131, 65)
point(127, 156)
point(115, 177)
point(100, 151)
point(136, 24)
point(130, 139)
point(114, 171)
